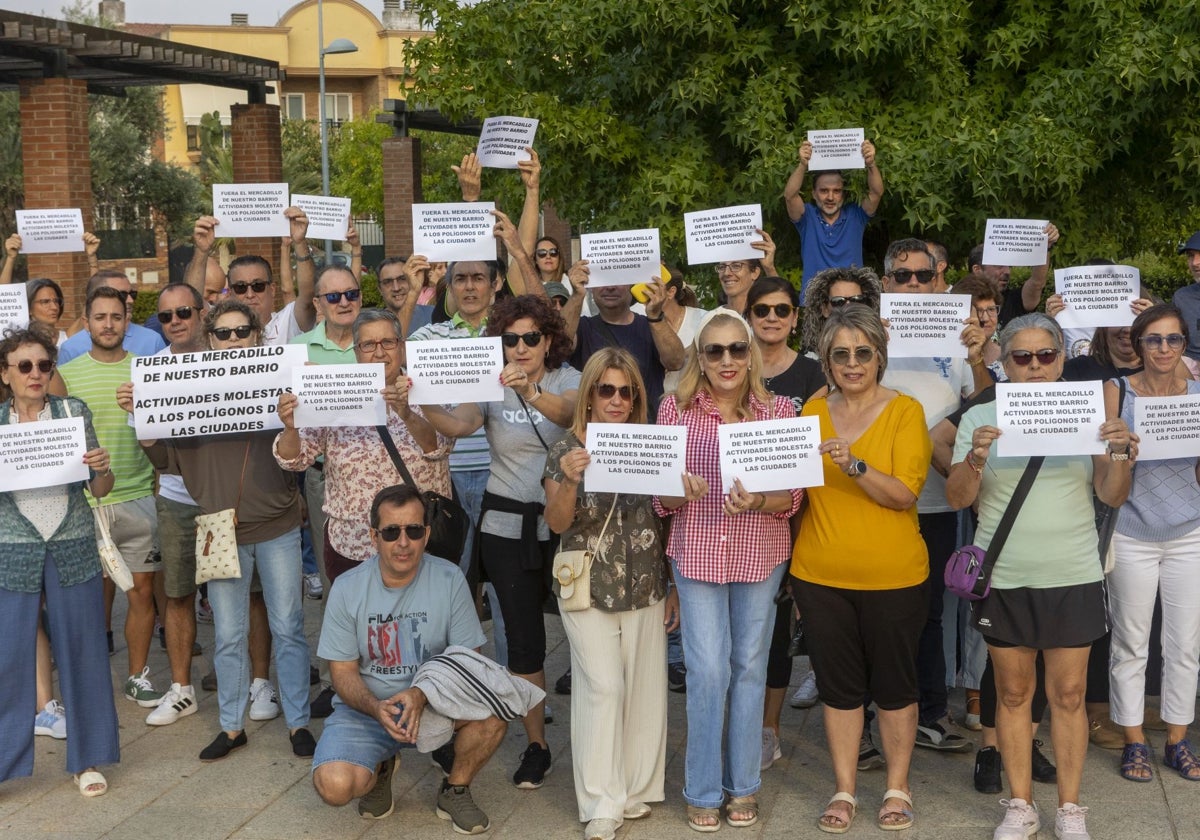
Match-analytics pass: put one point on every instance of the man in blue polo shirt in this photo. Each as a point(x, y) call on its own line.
point(830, 233)
point(138, 340)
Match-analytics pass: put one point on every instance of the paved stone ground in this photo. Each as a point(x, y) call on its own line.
point(161, 789)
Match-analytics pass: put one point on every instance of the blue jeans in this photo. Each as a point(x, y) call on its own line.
point(308, 560)
point(278, 565)
point(726, 643)
point(469, 486)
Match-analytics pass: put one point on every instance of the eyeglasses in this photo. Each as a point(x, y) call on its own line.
point(391, 533)
point(987, 311)
point(738, 351)
point(607, 391)
point(546, 252)
point(840, 356)
point(724, 267)
point(1155, 341)
point(369, 347)
point(531, 339)
point(839, 301)
point(183, 313)
point(762, 310)
point(259, 286)
point(26, 366)
point(51, 300)
point(223, 333)
point(1021, 358)
point(903, 275)
point(126, 296)
point(398, 280)
point(350, 295)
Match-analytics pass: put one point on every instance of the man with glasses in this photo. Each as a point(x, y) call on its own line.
point(940, 384)
point(1030, 297)
point(400, 283)
point(830, 233)
point(136, 339)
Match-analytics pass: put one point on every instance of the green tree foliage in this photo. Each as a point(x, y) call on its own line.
point(356, 164)
point(1082, 111)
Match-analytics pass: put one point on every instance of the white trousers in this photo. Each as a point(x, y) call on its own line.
point(1144, 569)
point(618, 708)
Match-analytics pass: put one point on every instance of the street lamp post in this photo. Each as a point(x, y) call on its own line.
point(337, 47)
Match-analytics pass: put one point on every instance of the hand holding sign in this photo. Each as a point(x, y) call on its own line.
point(504, 141)
point(1096, 295)
point(1016, 242)
point(837, 149)
point(251, 209)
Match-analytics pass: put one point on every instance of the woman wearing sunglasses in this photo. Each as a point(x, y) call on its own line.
point(238, 471)
point(514, 541)
point(728, 552)
point(619, 690)
point(860, 566)
point(832, 289)
point(1157, 550)
point(48, 552)
point(1047, 590)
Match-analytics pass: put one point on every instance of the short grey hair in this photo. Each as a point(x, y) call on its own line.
point(1032, 321)
point(900, 248)
point(334, 267)
point(859, 318)
point(371, 316)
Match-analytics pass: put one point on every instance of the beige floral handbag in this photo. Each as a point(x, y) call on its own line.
point(572, 571)
point(216, 539)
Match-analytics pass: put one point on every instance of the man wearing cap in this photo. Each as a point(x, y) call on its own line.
point(558, 294)
point(1188, 297)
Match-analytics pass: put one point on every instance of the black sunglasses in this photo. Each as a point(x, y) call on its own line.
point(391, 533)
point(840, 300)
point(903, 275)
point(607, 391)
point(183, 313)
point(762, 310)
point(126, 296)
point(738, 351)
point(259, 286)
point(223, 333)
point(531, 339)
point(26, 366)
point(350, 295)
point(841, 355)
point(546, 252)
point(1023, 357)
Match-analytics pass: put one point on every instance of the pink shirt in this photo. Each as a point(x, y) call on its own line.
point(705, 544)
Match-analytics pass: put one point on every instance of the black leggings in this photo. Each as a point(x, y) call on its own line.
point(779, 664)
point(987, 693)
point(521, 593)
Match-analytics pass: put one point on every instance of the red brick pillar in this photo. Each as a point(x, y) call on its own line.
point(257, 159)
point(58, 173)
point(401, 190)
point(557, 228)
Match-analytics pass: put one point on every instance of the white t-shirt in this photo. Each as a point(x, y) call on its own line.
point(282, 327)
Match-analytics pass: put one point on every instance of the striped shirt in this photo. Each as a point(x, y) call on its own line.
point(471, 452)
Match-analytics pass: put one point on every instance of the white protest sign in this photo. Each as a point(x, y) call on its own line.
point(925, 325)
point(638, 458)
point(251, 209)
point(217, 392)
point(44, 453)
point(839, 148)
point(1049, 418)
point(50, 231)
point(771, 454)
point(1169, 427)
point(503, 140)
point(1015, 242)
point(339, 395)
point(1097, 295)
point(454, 231)
point(715, 236)
point(328, 215)
point(14, 307)
point(621, 258)
point(455, 370)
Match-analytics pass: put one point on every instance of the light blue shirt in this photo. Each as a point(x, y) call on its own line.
point(138, 340)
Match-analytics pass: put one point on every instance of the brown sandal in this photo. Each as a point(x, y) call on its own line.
point(747, 805)
point(698, 818)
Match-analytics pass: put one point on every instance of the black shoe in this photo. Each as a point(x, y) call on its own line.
point(677, 677)
point(535, 765)
point(987, 770)
point(162, 637)
point(196, 649)
point(222, 746)
point(933, 736)
point(314, 675)
point(303, 743)
point(797, 646)
point(563, 684)
point(443, 757)
point(209, 681)
point(322, 704)
point(1043, 770)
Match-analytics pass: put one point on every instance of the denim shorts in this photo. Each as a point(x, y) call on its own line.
point(354, 738)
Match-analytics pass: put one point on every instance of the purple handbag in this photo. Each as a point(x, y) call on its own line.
point(969, 570)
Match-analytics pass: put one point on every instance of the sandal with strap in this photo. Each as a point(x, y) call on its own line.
point(1180, 758)
point(747, 805)
point(1135, 763)
point(699, 819)
point(843, 821)
point(893, 818)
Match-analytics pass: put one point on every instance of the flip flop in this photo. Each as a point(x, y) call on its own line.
point(831, 813)
point(887, 816)
point(87, 779)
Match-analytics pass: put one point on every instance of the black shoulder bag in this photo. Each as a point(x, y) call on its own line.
point(449, 524)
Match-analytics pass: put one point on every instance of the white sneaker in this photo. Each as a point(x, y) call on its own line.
point(1021, 820)
point(806, 695)
point(179, 701)
point(264, 705)
point(51, 721)
point(1069, 823)
point(770, 748)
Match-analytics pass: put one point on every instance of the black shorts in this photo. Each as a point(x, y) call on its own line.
point(863, 642)
point(1042, 619)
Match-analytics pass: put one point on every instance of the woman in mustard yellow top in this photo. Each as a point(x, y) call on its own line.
point(860, 565)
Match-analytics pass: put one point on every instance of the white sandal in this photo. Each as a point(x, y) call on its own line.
point(840, 796)
point(89, 778)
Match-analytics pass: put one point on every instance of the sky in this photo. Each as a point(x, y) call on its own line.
point(262, 12)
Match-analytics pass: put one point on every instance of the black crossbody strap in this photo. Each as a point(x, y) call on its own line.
point(1010, 515)
point(390, 444)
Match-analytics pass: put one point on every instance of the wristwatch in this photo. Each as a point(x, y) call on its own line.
point(857, 469)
